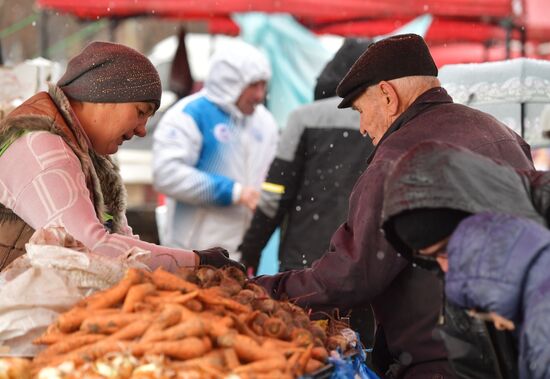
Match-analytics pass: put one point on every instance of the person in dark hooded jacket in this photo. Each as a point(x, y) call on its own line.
point(436, 204)
point(394, 87)
point(318, 160)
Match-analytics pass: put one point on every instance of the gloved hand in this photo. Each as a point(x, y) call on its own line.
point(217, 257)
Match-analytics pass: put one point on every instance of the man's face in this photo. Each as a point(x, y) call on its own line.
point(108, 125)
point(374, 119)
point(251, 96)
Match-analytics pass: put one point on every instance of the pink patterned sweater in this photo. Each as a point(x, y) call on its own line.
point(41, 180)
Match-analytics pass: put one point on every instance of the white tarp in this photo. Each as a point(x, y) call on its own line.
point(502, 89)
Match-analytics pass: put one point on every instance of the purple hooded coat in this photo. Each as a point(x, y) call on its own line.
point(500, 263)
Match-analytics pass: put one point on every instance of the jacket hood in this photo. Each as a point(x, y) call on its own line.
point(335, 70)
point(232, 69)
point(440, 175)
point(490, 256)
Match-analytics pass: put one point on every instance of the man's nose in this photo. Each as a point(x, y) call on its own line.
point(260, 93)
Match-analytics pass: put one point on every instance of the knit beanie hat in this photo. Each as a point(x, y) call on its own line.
point(423, 227)
point(391, 58)
point(107, 72)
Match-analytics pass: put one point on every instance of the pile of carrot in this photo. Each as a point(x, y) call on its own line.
point(204, 323)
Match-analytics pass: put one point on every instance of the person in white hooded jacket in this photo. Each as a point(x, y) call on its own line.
point(212, 150)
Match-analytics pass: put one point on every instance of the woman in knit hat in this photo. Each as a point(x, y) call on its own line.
point(485, 226)
point(55, 169)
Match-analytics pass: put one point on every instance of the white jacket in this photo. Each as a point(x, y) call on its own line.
point(205, 150)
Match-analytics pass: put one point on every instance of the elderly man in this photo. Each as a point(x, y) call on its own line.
point(394, 87)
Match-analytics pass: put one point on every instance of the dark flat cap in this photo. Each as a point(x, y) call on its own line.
point(106, 72)
point(391, 58)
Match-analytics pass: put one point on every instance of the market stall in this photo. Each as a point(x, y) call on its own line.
point(113, 318)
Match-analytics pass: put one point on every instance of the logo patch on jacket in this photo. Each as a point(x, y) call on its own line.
point(222, 133)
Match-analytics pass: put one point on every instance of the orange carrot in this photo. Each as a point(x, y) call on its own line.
point(194, 305)
point(164, 280)
point(108, 324)
point(231, 359)
point(182, 299)
point(50, 336)
point(264, 365)
point(293, 361)
point(210, 298)
point(187, 348)
point(135, 294)
point(303, 360)
point(132, 330)
point(277, 344)
point(70, 343)
point(191, 328)
point(170, 315)
point(244, 329)
point(71, 320)
point(97, 350)
point(212, 358)
point(115, 295)
point(221, 327)
point(246, 348)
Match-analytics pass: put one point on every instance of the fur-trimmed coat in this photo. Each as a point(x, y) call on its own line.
point(50, 176)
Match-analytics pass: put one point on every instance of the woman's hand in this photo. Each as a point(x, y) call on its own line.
point(217, 257)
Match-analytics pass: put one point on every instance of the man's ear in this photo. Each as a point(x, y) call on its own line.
point(391, 98)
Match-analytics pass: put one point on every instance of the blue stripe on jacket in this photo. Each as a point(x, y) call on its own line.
point(212, 121)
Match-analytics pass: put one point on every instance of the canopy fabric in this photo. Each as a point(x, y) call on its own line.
point(320, 10)
point(480, 23)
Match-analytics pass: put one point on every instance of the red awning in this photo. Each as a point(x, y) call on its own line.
point(319, 10)
point(481, 23)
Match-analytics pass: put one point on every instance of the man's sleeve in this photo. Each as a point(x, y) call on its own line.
point(360, 263)
point(176, 150)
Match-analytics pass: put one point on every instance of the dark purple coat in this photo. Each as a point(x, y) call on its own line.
point(361, 267)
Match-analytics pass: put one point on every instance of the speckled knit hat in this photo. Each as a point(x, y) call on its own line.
point(107, 72)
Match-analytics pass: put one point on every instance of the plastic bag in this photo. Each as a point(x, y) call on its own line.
point(52, 277)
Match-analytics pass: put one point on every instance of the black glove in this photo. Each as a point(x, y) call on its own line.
point(217, 257)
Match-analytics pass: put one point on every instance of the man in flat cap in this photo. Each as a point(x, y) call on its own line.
point(394, 87)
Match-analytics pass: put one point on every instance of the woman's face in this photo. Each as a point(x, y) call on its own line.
point(437, 251)
point(108, 125)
